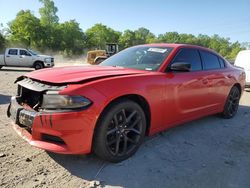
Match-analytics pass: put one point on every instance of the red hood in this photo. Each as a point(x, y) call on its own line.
point(79, 73)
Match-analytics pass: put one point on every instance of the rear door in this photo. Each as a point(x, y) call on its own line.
point(214, 68)
point(12, 57)
point(187, 93)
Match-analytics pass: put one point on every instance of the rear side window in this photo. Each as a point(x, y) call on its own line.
point(189, 56)
point(222, 62)
point(210, 60)
point(12, 52)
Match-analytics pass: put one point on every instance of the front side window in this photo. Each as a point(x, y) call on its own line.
point(12, 52)
point(24, 52)
point(32, 52)
point(189, 56)
point(210, 60)
point(140, 57)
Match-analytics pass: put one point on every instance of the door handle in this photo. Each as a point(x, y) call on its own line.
point(7, 56)
point(20, 56)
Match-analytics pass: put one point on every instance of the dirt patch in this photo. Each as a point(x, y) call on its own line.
point(210, 152)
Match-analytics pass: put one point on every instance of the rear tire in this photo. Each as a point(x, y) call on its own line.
point(232, 103)
point(120, 131)
point(38, 65)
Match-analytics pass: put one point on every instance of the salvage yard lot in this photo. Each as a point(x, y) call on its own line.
point(210, 152)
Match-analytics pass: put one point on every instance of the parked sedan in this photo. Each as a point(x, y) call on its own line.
point(111, 107)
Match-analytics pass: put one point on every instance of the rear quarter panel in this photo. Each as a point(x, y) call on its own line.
point(237, 75)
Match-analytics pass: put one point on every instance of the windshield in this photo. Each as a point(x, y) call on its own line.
point(139, 57)
point(32, 52)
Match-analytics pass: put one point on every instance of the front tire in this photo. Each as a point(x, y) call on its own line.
point(232, 103)
point(98, 61)
point(38, 65)
point(120, 131)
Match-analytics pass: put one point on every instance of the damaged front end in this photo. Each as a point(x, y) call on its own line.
point(26, 105)
point(49, 120)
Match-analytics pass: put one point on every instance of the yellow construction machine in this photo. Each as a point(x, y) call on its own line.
point(95, 57)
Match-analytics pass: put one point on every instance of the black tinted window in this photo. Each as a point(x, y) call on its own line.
point(222, 62)
point(12, 51)
point(189, 56)
point(210, 60)
point(24, 52)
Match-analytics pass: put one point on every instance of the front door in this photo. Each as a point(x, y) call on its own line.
point(25, 59)
point(187, 93)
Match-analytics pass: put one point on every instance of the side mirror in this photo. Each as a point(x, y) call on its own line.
point(180, 66)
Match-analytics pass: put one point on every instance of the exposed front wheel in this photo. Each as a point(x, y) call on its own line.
point(38, 65)
point(98, 61)
point(120, 131)
point(232, 103)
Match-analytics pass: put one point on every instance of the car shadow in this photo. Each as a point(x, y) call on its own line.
point(4, 99)
point(16, 70)
point(203, 153)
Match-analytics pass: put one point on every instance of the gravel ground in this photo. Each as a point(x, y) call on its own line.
point(209, 152)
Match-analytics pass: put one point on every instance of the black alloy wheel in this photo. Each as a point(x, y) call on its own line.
point(232, 103)
point(120, 131)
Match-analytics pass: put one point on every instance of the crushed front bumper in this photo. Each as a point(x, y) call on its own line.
point(61, 132)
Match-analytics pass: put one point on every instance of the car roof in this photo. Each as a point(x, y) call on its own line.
point(176, 45)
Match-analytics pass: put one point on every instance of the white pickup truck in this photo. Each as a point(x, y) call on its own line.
point(20, 57)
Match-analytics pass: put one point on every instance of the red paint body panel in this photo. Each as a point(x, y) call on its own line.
point(173, 98)
point(79, 73)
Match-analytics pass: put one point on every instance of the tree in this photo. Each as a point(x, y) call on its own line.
point(169, 37)
point(143, 36)
point(139, 36)
point(2, 38)
point(72, 38)
point(235, 48)
point(2, 42)
point(245, 45)
point(49, 22)
point(48, 13)
point(127, 39)
point(25, 29)
point(99, 35)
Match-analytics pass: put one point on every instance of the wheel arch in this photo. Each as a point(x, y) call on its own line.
point(99, 58)
point(37, 61)
point(238, 86)
point(140, 100)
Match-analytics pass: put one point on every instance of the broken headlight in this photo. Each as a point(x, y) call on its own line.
point(56, 101)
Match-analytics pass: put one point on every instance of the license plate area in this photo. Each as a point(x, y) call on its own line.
point(21, 116)
point(26, 117)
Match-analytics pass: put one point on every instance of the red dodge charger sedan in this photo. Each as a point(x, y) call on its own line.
point(109, 108)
